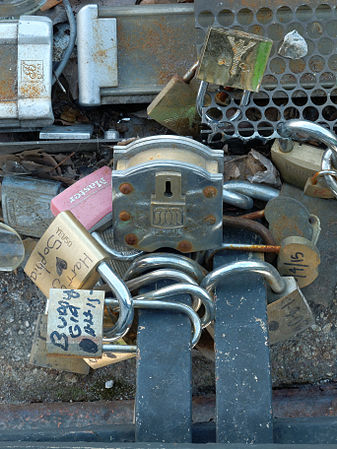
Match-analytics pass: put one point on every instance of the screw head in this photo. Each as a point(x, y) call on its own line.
point(210, 192)
point(131, 239)
point(124, 215)
point(185, 246)
point(125, 188)
point(210, 219)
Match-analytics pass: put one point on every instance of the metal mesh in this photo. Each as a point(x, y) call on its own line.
point(302, 88)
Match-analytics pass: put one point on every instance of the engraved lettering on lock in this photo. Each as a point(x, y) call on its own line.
point(41, 265)
point(239, 47)
point(32, 70)
point(100, 183)
point(64, 237)
point(84, 261)
point(167, 217)
point(293, 314)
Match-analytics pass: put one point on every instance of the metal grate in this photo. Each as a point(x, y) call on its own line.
point(302, 88)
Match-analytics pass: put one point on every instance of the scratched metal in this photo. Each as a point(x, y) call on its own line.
point(302, 88)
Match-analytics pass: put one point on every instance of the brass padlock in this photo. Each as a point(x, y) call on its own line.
point(65, 257)
point(75, 322)
point(233, 58)
point(175, 108)
point(316, 189)
point(40, 357)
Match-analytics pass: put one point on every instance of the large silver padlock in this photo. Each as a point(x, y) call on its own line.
point(167, 192)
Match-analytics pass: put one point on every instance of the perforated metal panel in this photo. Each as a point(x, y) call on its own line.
point(302, 88)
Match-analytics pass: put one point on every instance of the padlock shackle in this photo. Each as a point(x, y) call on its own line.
point(237, 199)
point(164, 274)
point(163, 305)
point(183, 289)
point(256, 191)
point(165, 260)
point(270, 274)
point(124, 300)
point(327, 164)
point(293, 128)
point(114, 254)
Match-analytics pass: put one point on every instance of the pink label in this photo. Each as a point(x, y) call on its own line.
point(89, 199)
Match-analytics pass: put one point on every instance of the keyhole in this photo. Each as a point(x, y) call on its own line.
point(168, 191)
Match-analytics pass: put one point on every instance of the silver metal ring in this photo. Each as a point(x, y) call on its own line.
point(270, 274)
point(124, 300)
point(237, 199)
point(256, 191)
point(327, 165)
point(116, 255)
point(163, 305)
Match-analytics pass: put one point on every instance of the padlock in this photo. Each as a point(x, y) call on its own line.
point(317, 189)
point(289, 217)
point(298, 257)
point(68, 257)
point(75, 322)
point(288, 311)
point(297, 165)
point(26, 203)
point(167, 192)
point(12, 250)
point(175, 106)
point(40, 357)
point(89, 199)
point(234, 58)
point(110, 358)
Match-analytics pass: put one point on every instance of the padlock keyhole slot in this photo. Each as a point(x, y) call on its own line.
point(168, 191)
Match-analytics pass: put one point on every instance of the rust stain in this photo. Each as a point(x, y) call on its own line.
point(256, 248)
point(124, 215)
point(126, 188)
point(185, 246)
point(131, 239)
point(210, 219)
point(32, 90)
point(8, 89)
point(210, 192)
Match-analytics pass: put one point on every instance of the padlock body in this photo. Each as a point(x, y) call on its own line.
point(233, 58)
point(175, 107)
point(66, 256)
point(167, 193)
point(89, 199)
point(26, 203)
point(75, 322)
point(317, 190)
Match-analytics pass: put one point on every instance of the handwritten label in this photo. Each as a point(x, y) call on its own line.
point(299, 258)
point(65, 257)
point(75, 322)
point(287, 316)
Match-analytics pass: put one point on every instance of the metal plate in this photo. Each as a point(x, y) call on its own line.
point(302, 88)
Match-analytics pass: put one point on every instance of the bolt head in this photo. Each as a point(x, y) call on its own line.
point(185, 246)
point(125, 188)
point(210, 192)
point(131, 239)
point(124, 215)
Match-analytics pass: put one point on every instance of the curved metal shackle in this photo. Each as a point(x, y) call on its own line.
point(328, 165)
point(116, 255)
point(201, 99)
point(165, 260)
point(124, 301)
point(162, 305)
point(270, 274)
point(242, 193)
point(164, 274)
point(183, 289)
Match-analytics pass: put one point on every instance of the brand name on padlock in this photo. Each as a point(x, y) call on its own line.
point(83, 192)
point(167, 216)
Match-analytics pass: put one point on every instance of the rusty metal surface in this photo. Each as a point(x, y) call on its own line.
point(301, 401)
point(302, 88)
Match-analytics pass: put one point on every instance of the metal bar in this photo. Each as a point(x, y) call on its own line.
point(163, 409)
point(242, 368)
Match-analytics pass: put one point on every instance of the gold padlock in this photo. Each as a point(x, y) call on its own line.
point(174, 106)
point(234, 58)
point(65, 257)
point(75, 322)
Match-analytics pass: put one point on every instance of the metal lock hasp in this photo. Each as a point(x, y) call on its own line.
point(89, 199)
point(167, 192)
point(233, 58)
point(65, 257)
point(26, 75)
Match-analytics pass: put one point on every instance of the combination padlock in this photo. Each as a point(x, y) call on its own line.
point(288, 311)
point(233, 58)
point(175, 106)
point(89, 199)
point(167, 192)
